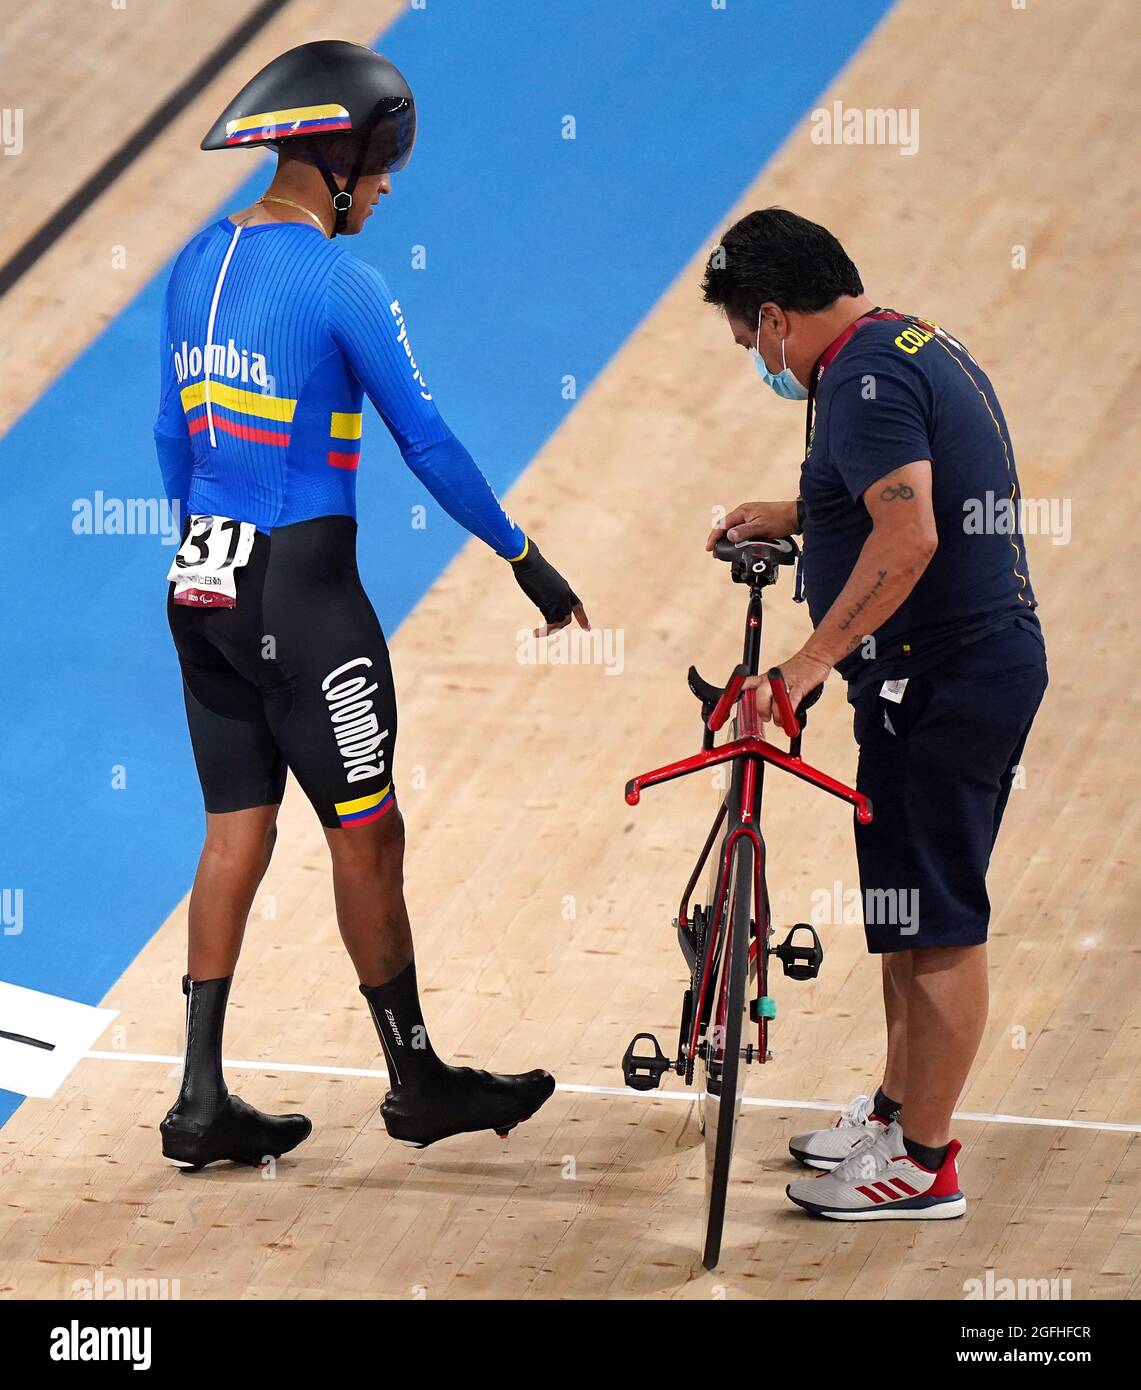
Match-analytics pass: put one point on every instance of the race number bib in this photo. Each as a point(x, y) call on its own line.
point(204, 567)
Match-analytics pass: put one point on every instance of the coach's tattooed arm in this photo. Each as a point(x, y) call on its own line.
point(902, 542)
point(899, 549)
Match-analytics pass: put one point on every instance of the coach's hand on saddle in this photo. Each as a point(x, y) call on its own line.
point(757, 521)
point(802, 674)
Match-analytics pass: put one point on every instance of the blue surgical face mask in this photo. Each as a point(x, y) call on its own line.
point(783, 382)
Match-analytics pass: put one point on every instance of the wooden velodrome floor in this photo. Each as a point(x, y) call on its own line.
point(522, 813)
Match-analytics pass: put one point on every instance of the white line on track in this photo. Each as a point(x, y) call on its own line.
point(312, 1069)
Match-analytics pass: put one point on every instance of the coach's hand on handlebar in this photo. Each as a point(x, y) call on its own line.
point(802, 674)
point(756, 521)
point(548, 591)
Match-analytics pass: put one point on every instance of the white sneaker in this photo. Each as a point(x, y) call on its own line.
point(879, 1182)
point(824, 1148)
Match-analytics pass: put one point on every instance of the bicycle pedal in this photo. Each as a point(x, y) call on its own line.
point(644, 1073)
point(800, 962)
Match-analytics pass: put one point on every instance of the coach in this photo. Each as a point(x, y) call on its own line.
point(933, 627)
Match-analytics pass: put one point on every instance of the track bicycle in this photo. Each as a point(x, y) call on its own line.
point(727, 944)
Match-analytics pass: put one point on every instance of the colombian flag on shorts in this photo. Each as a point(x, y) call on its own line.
point(365, 808)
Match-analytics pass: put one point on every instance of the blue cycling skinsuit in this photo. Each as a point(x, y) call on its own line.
point(271, 337)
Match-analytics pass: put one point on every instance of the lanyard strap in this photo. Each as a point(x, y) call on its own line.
point(829, 355)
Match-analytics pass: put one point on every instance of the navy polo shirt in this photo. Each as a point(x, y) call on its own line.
point(898, 391)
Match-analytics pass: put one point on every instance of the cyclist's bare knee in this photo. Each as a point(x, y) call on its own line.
point(242, 837)
point(379, 845)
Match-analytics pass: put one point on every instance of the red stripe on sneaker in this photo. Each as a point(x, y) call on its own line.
point(887, 1191)
point(871, 1194)
point(905, 1188)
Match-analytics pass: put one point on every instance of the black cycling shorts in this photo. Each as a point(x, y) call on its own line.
point(296, 675)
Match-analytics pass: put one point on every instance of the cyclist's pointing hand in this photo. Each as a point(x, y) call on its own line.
point(756, 521)
point(548, 591)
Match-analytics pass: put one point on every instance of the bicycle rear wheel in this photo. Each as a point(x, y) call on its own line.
point(723, 1068)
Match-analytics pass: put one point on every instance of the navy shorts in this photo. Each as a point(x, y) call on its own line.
point(938, 767)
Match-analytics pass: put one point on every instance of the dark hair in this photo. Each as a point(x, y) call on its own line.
point(776, 255)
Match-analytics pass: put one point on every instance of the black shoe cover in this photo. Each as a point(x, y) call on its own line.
point(461, 1101)
point(237, 1134)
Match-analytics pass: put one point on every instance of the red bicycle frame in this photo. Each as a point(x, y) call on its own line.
point(741, 807)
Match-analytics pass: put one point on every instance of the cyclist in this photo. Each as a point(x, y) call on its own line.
point(272, 334)
point(930, 618)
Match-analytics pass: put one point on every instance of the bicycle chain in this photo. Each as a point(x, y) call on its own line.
point(701, 932)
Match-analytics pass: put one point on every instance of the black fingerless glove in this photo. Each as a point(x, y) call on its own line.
point(544, 585)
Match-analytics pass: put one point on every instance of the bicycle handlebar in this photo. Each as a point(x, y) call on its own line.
point(781, 698)
point(724, 706)
point(729, 696)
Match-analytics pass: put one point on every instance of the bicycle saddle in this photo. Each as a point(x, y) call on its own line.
point(756, 562)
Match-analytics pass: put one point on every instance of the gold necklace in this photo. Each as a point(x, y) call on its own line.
point(308, 212)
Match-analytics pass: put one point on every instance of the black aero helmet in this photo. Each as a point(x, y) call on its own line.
point(337, 105)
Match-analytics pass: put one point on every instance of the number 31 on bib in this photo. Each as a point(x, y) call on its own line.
point(204, 567)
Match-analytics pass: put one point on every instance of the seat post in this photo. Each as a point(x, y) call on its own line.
point(753, 623)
